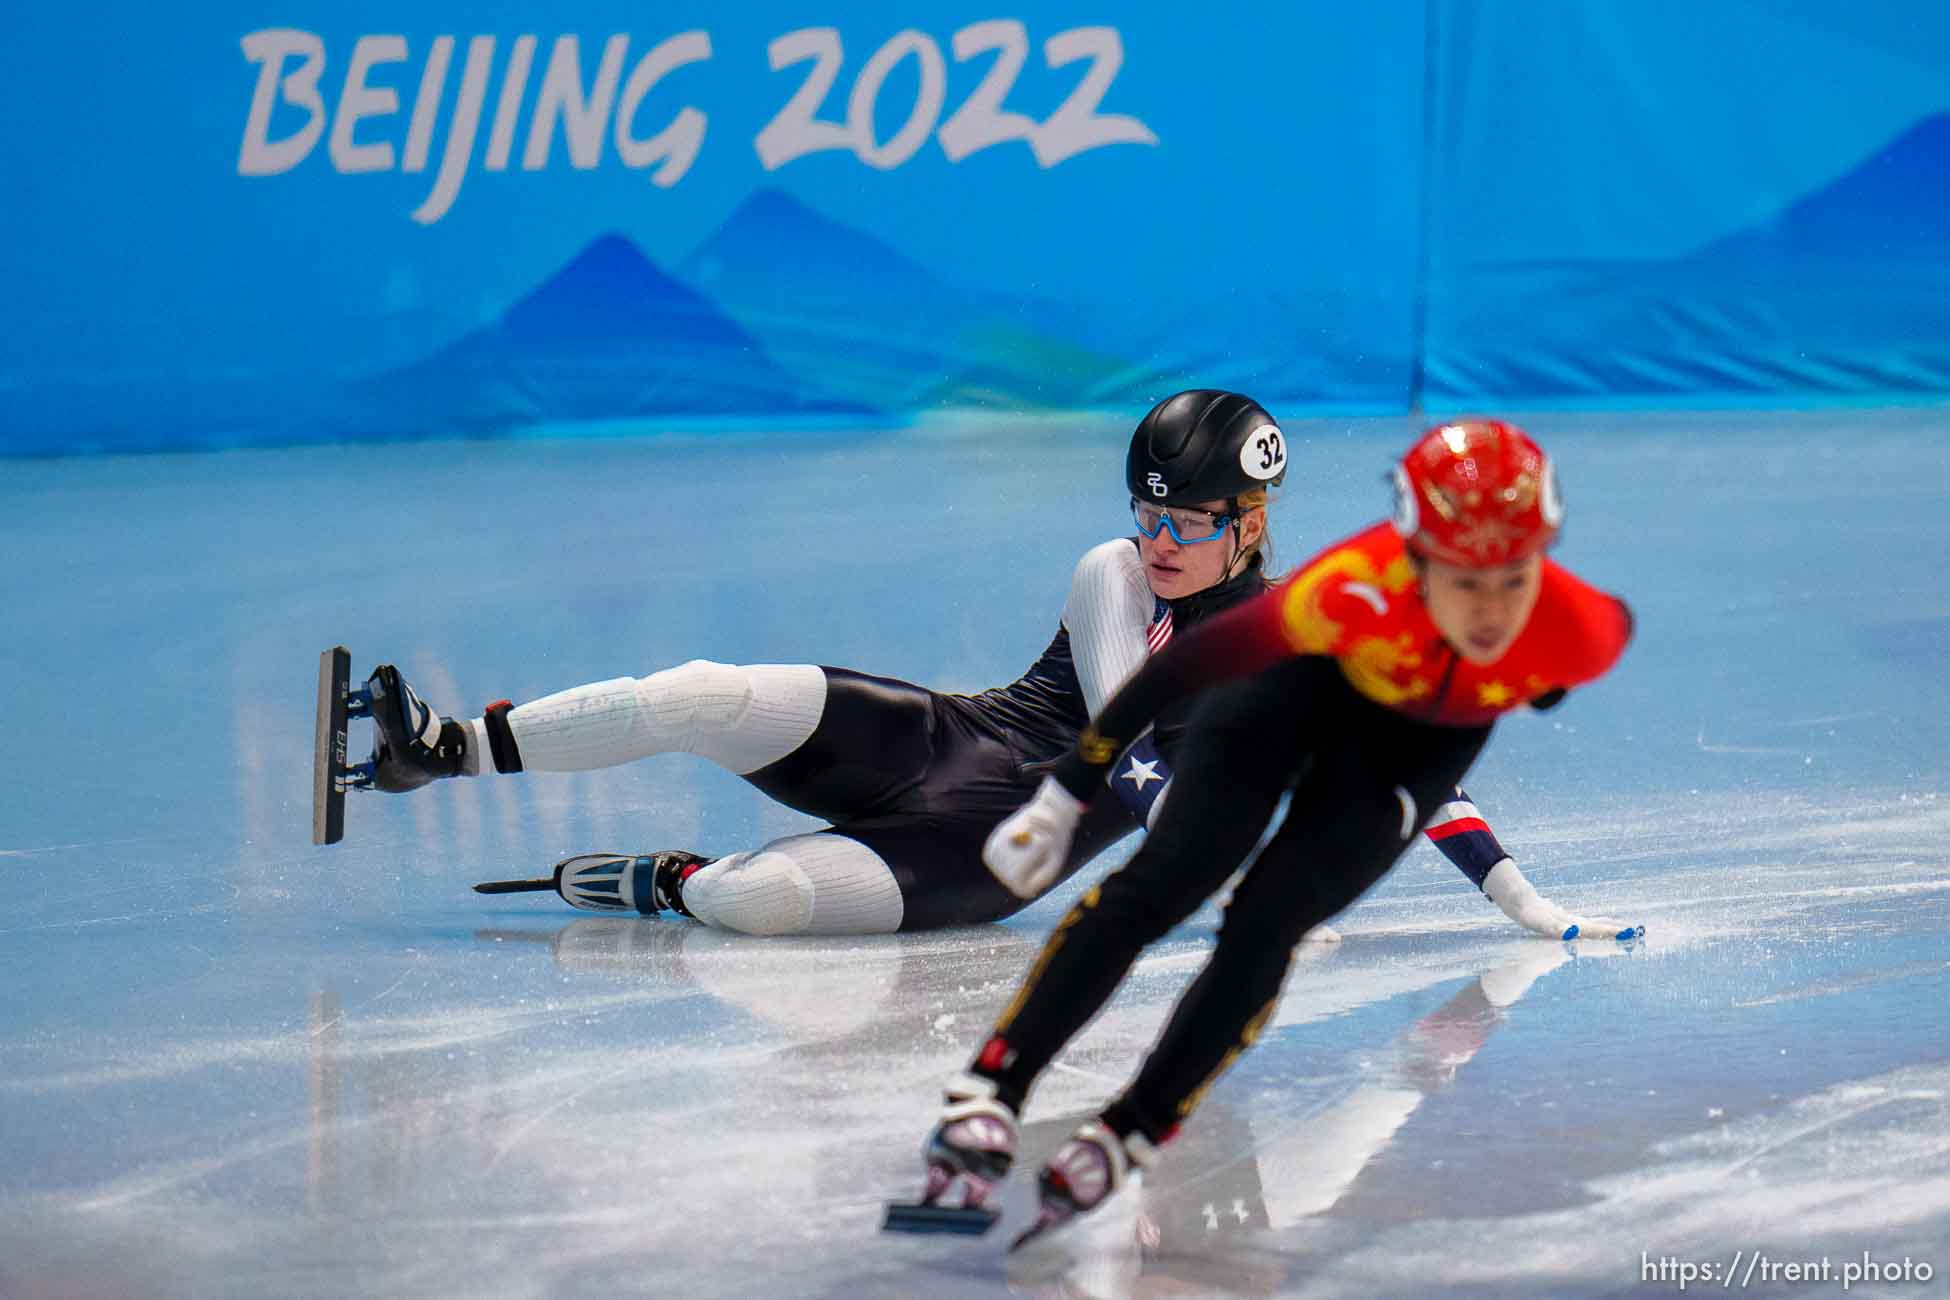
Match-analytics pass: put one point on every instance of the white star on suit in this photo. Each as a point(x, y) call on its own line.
point(1140, 774)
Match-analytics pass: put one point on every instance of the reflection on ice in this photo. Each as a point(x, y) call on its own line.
point(1853, 1167)
point(1198, 1219)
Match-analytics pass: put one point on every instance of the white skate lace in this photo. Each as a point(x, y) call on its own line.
point(1086, 1170)
point(981, 1132)
point(426, 727)
point(971, 1129)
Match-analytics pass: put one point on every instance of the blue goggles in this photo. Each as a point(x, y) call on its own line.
point(1185, 525)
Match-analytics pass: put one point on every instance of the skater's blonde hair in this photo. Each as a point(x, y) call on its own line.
point(1249, 500)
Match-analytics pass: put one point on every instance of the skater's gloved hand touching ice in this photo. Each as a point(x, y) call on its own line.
point(1519, 900)
point(1026, 849)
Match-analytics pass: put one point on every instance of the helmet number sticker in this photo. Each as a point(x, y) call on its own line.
point(1264, 454)
point(1156, 482)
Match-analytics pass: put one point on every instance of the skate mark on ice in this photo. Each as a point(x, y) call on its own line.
point(167, 914)
point(1831, 719)
point(535, 1119)
point(1870, 980)
point(415, 967)
point(1895, 889)
point(1787, 750)
point(433, 1031)
point(91, 844)
point(1825, 1123)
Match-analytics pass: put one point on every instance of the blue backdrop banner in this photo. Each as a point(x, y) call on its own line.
point(238, 223)
point(1672, 201)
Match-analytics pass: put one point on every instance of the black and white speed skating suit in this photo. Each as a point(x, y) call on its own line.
point(911, 780)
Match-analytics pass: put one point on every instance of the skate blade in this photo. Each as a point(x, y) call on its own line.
point(1041, 1255)
point(328, 747)
point(534, 886)
point(913, 1216)
point(1049, 1234)
point(1036, 1238)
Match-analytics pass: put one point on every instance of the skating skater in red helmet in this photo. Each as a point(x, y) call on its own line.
point(1366, 683)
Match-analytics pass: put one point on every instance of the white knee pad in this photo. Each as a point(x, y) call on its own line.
point(741, 718)
point(804, 884)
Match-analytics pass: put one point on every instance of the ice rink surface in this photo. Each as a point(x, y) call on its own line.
point(236, 1065)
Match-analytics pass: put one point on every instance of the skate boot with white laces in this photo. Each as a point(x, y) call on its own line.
point(973, 1145)
point(414, 746)
point(1089, 1169)
point(411, 747)
point(640, 883)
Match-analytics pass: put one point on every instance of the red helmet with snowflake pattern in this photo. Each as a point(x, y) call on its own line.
point(1476, 493)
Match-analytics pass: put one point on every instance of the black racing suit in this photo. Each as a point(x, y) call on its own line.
point(922, 777)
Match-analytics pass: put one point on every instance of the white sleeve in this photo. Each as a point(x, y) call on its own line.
point(1109, 615)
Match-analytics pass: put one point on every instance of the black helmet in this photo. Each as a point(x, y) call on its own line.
point(1204, 445)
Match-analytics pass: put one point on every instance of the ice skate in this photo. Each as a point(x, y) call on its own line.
point(644, 883)
point(413, 745)
point(1089, 1169)
point(331, 775)
point(973, 1145)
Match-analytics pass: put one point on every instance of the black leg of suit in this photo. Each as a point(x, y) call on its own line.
point(1364, 779)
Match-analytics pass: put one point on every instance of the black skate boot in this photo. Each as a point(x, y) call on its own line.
point(1089, 1169)
point(974, 1144)
point(644, 883)
point(413, 746)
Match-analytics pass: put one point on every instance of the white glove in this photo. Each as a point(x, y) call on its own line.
point(1026, 849)
point(1520, 901)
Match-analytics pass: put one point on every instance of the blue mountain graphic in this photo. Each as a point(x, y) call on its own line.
point(1845, 290)
point(1896, 202)
point(828, 263)
point(832, 301)
point(607, 336)
point(835, 302)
